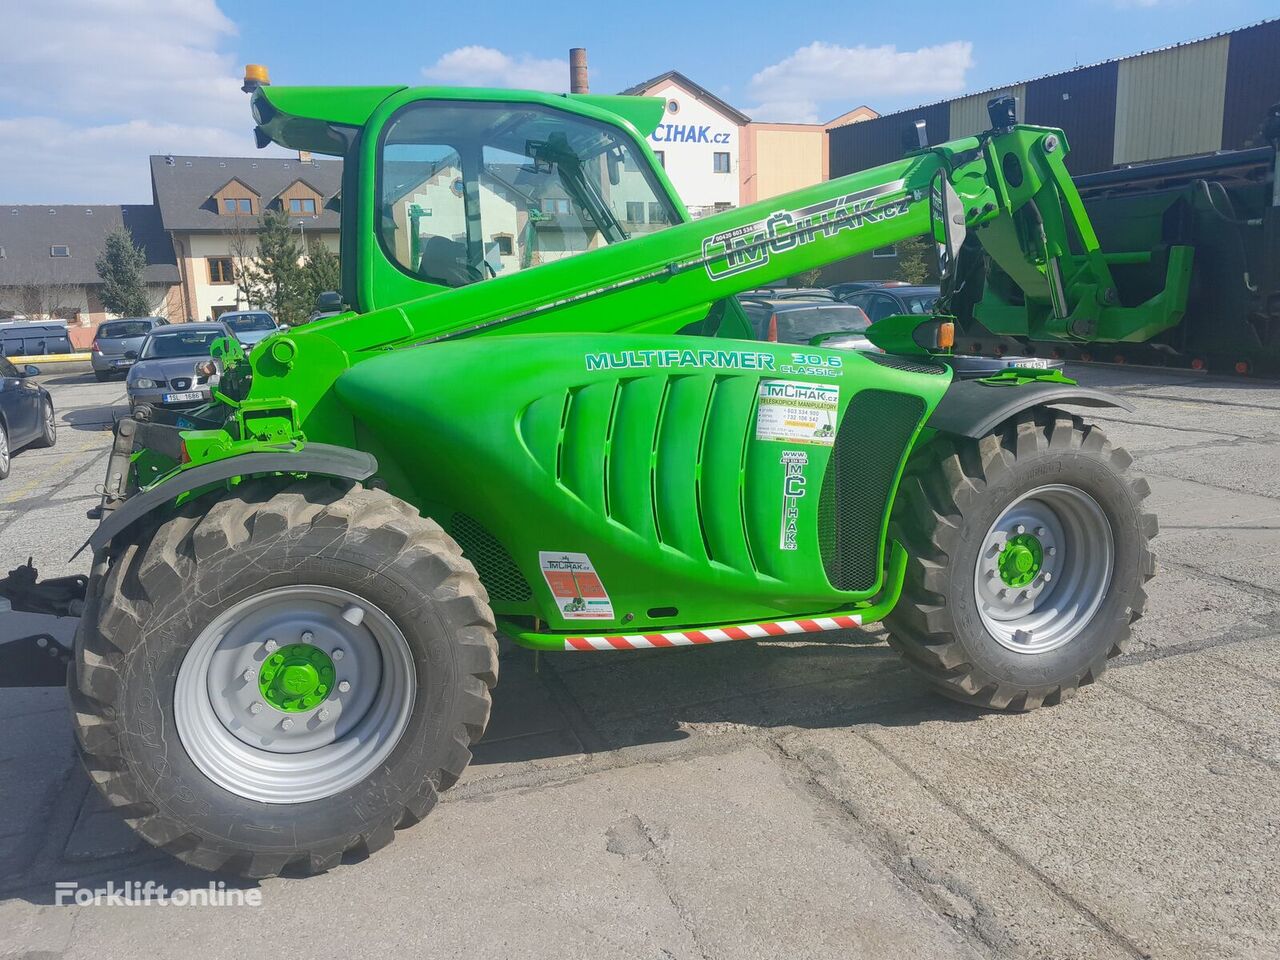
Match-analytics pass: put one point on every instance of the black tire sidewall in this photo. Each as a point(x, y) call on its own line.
point(1064, 665)
point(170, 779)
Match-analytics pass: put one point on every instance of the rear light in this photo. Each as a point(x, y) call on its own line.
point(184, 456)
point(946, 335)
point(94, 346)
point(773, 328)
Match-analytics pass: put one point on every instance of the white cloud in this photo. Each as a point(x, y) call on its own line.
point(91, 87)
point(793, 88)
point(477, 66)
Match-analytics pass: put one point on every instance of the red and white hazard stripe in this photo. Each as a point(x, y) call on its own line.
point(684, 638)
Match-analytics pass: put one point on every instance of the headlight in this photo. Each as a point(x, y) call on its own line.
point(144, 383)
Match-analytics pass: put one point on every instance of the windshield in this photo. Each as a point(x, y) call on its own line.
point(246, 322)
point(473, 191)
point(124, 328)
point(920, 303)
point(179, 343)
point(801, 326)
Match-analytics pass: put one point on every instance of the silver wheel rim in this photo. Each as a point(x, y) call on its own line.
point(1078, 558)
point(253, 749)
point(51, 425)
point(4, 449)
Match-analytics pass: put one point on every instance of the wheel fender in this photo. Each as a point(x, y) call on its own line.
point(972, 408)
point(315, 458)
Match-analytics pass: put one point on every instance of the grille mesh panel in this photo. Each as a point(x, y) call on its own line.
point(498, 572)
point(903, 363)
point(855, 489)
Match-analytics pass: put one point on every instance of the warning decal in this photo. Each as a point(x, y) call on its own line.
point(797, 412)
point(577, 589)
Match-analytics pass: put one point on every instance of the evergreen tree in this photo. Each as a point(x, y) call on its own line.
point(275, 279)
point(322, 272)
point(124, 290)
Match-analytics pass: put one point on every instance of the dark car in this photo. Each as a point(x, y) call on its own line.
point(881, 302)
point(798, 320)
point(165, 374)
point(26, 413)
point(845, 287)
point(115, 339)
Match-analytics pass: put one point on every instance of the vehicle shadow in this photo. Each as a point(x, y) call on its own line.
point(99, 418)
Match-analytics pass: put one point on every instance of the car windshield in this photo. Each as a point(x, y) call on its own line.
point(179, 343)
point(118, 329)
point(801, 326)
point(920, 303)
point(245, 322)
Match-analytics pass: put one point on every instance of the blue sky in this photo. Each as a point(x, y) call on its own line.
point(91, 87)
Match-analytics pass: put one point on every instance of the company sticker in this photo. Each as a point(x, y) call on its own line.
point(795, 412)
point(793, 483)
point(576, 586)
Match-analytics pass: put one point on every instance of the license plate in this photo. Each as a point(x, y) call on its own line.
point(183, 397)
point(122, 362)
point(1030, 363)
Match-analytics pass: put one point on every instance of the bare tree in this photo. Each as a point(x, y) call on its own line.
point(244, 254)
point(47, 300)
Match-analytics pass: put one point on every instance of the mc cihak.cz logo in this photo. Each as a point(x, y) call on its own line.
point(133, 893)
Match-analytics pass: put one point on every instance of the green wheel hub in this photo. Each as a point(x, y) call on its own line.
point(1020, 560)
point(296, 677)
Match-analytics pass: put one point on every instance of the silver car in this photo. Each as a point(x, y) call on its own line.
point(249, 326)
point(115, 339)
point(800, 320)
point(165, 372)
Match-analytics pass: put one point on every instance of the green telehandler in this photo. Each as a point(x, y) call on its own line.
point(540, 410)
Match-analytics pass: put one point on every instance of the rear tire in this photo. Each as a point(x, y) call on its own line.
point(6, 452)
point(356, 574)
point(48, 426)
point(992, 635)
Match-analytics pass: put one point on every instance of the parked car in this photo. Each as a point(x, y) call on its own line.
point(799, 321)
point(881, 302)
point(790, 293)
point(117, 338)
point(846, 287)
point(249, 326)
point(26, 413)
point(165, 373)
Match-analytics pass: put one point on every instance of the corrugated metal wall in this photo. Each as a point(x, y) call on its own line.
point(873, 142)
point(1170, 103)
point(1253, 84)
point(1195, 98)
point(969, 114)
point(1083, 104)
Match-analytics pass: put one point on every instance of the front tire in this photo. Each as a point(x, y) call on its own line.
point(319, 659)
point(48, 425)
point(1028, 555)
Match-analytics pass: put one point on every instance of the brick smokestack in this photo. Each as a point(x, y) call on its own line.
point(578, 70)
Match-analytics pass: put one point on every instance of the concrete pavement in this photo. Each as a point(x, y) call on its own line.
point(769, 800)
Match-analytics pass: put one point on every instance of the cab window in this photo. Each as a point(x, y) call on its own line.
point(473, 191)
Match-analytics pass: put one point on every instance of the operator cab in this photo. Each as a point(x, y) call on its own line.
point(472, 190)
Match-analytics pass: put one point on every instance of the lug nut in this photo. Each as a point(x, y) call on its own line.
point(1040, 531)
point(1053, 551)
point(1048, 577)
point(247, 676)
point(1020, 529)
point(255, 707)
point(307, 636)
point(270, 646)
point(339, 654)
point(344, 686)
point(324, 714)
point(286, 724)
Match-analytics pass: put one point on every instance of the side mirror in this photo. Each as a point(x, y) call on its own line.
point(131, 354)
point(330, 300)
point(31, 370)
point(946, 213)
point(613, 160)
